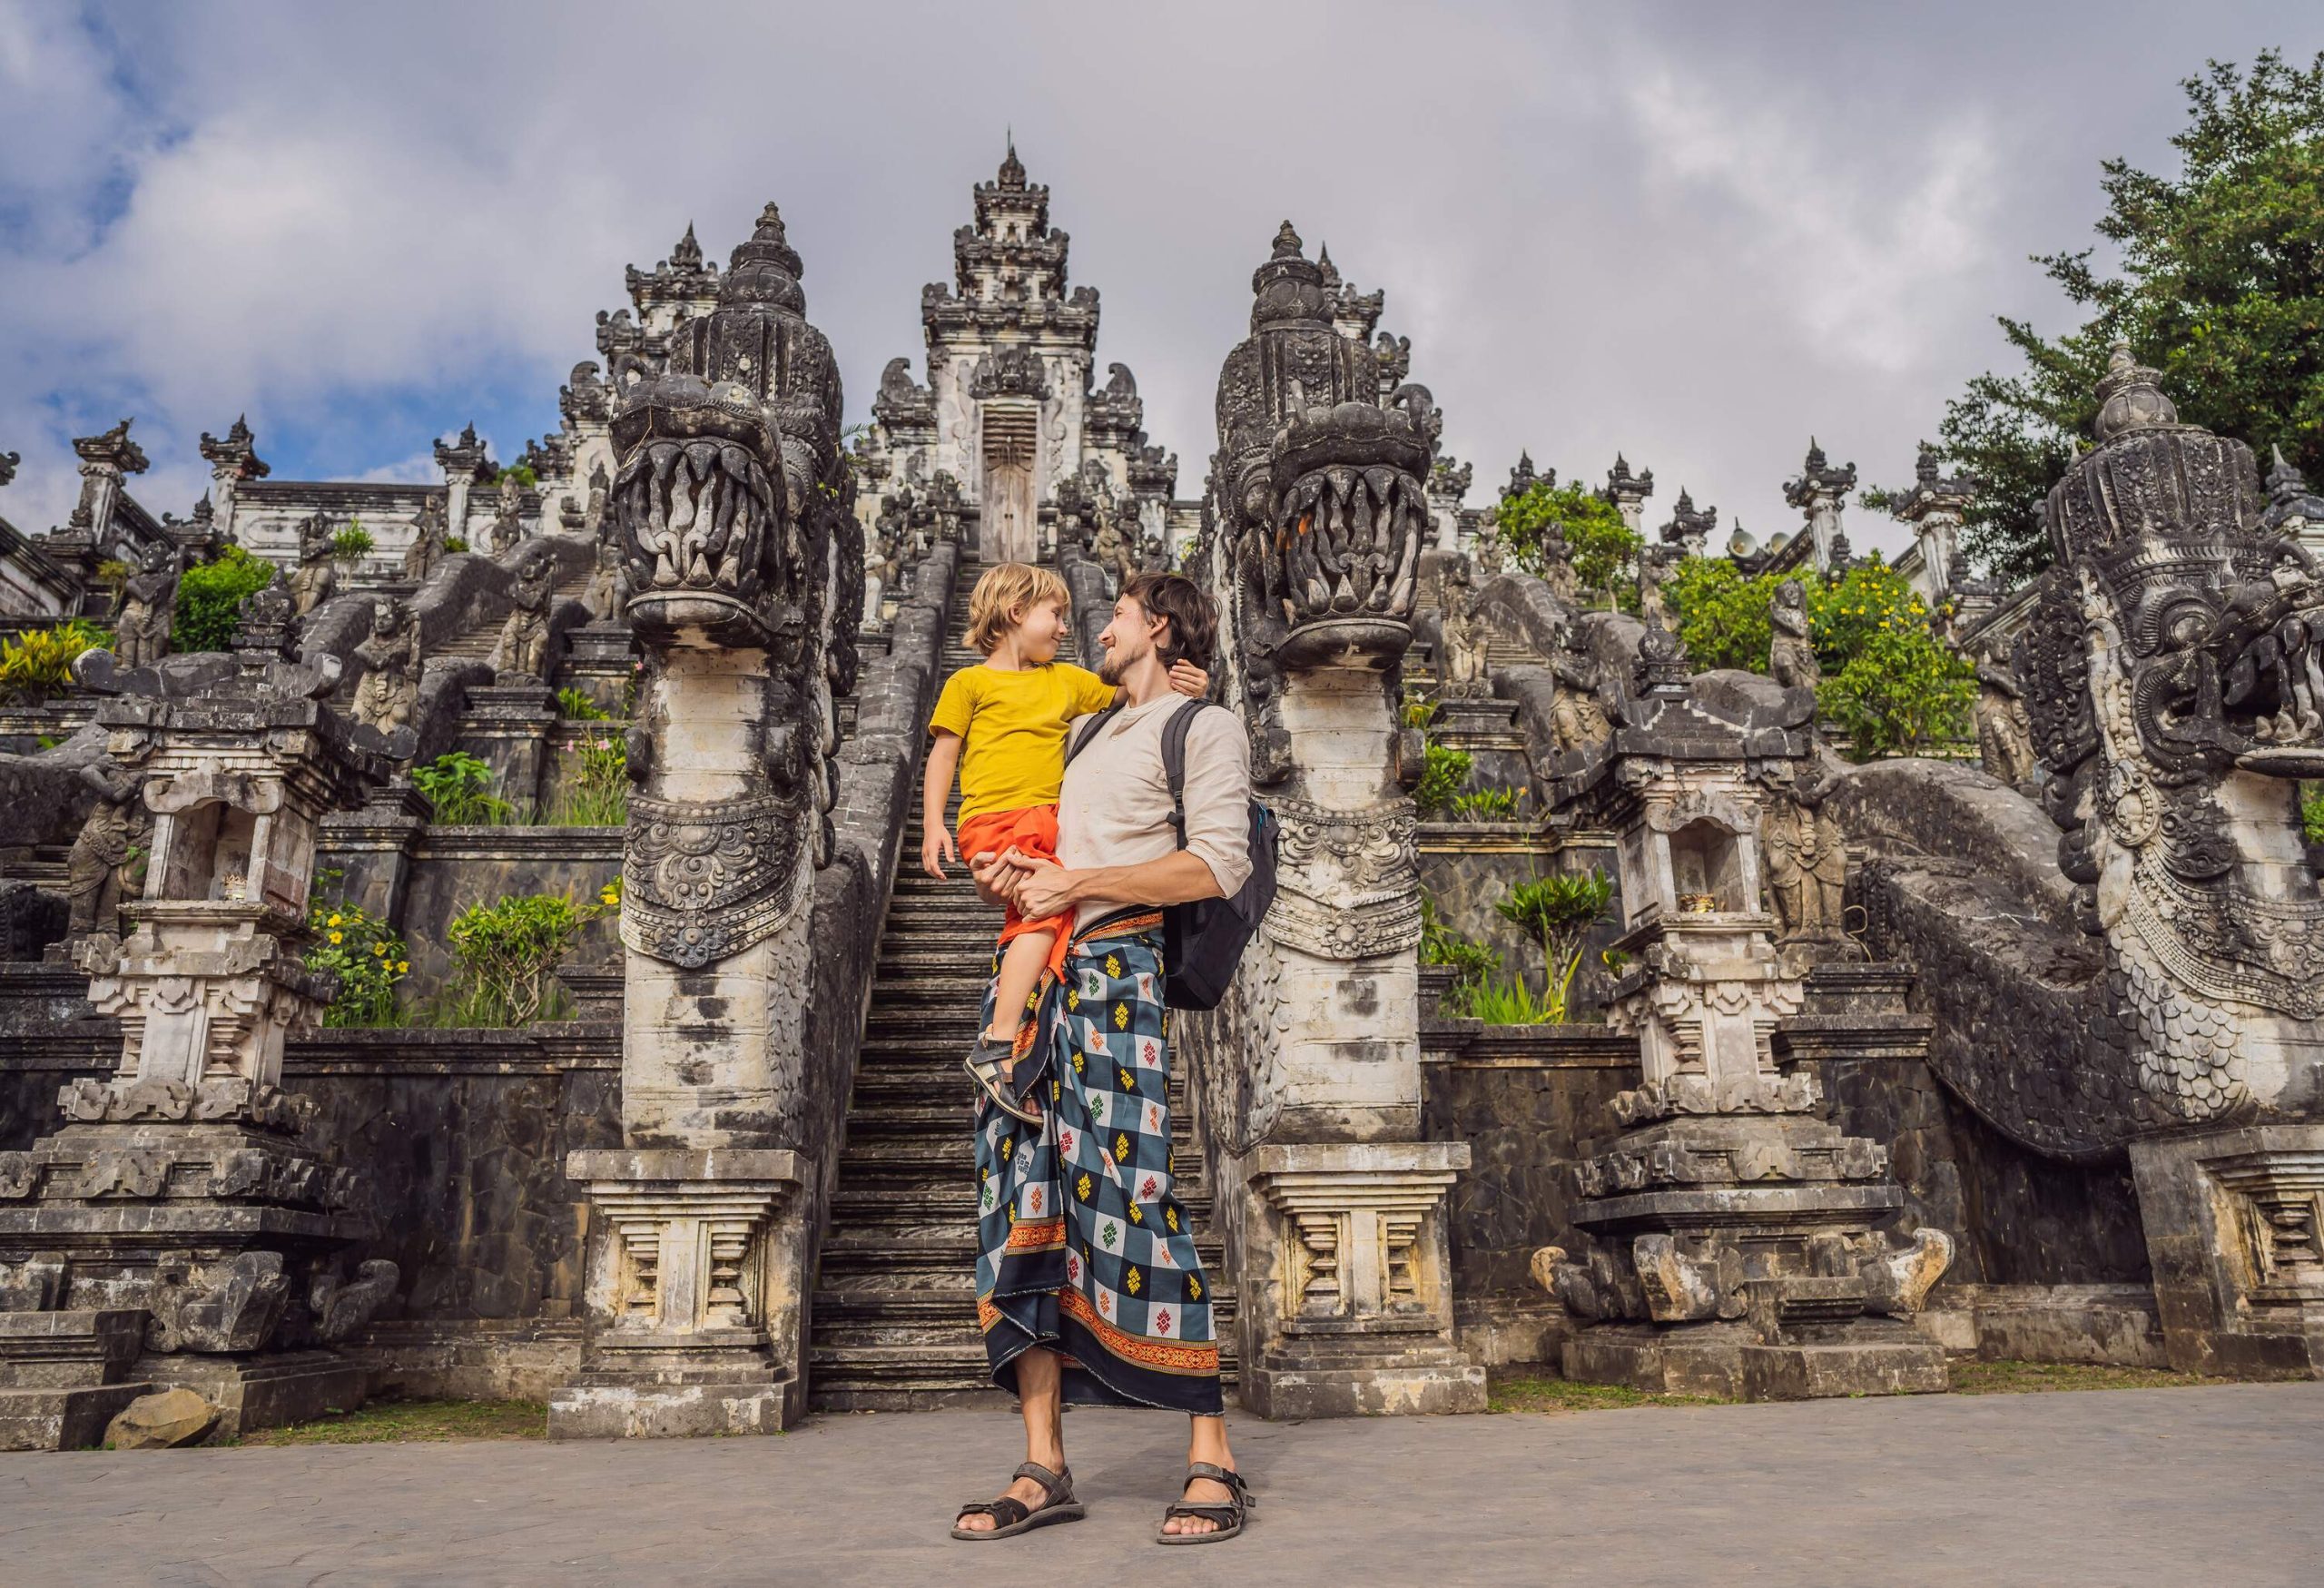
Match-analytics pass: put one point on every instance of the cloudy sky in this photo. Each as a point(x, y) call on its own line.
point(1694, 233)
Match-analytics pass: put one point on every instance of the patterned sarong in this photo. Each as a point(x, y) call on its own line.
point(1082, 1246)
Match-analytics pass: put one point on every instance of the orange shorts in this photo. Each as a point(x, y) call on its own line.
point(1032, 832)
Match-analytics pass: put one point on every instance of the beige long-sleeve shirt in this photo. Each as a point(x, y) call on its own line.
point(1115, 807)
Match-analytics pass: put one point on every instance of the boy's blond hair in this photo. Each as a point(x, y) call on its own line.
point(1005, 590)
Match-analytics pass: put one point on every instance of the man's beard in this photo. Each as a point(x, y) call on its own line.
point(1110, 668)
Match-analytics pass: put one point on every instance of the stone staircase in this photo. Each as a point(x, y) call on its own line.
point(894, 1312)
point(479, 640)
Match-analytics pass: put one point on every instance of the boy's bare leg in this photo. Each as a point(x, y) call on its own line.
point(1038, 1396)
point(1020, 973)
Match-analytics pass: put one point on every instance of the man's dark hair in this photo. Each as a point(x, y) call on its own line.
point(1194, 621)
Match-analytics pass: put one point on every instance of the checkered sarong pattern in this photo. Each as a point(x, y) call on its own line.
point(1083, 1246)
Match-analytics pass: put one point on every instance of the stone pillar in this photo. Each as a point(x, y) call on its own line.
point(231, 461)
point(372, 847)
point(105, 460)
point(1309, 1071)
point(1935, 507)
point(507, 726)
point(178, 1231)
point(1629, 492)
point(1820, 493)
point(463, 463)
point(702, 1224)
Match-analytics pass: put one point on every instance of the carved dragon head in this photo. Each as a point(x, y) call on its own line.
point(727, 456)
point(2169, 668)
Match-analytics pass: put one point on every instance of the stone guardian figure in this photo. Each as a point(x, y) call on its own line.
point(106, 859)
point(428, 539)
point(1791, 653)
point(1465, 672)
point(523, 652)
point(1807, 862)
point(2005, 728)
point(314, 581)
point(508, 524)
point(389, 691)
point(149, 607)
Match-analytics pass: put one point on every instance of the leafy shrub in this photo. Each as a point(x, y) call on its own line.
point(522, 473)
point(1558, 910)
point(210, 598)
point(366, 953)
point(461, 788)
point(1469, 961)
point(2312, 812)
point(1446, 769)
point(456, 542)
point(575, 705)
point(505, 956)
point(351, 544)
point(600, 792)
point(38, 662)
point(1487, 804)
point(1889, 682)
point(1504, 1003)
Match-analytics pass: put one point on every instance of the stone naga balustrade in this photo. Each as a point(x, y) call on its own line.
point(1308, 1073)
point(734, 509)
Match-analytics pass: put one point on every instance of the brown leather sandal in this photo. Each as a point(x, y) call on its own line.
point(1012, 1517)
point(1227, 1513)
point(984, 1067)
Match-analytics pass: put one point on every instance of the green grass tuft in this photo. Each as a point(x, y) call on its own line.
point(398, 1422)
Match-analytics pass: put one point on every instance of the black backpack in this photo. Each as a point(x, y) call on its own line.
point(1201, 941)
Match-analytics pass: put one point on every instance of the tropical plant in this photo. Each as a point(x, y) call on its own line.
point(522, 473)
point(114, 573)
point(1602, 548)
point(1419, 711)
point(599, 796)
point(2221, 286)
point(365, 952)
point(575, 705)
point(2312, 812)
point(1558, 911)
point(505, 956)
point(456, 542)
point(1446, 769)
point(1504, 1003)
point(210, 598)
point(460, 787)
point(352, 544)
point(38, 662)
point(1487, 804)
point(1469, 961)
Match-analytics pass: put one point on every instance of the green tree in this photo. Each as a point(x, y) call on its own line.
point(1889, 683)
point(1603, 547)
point(2221, 286)
point(210, 600)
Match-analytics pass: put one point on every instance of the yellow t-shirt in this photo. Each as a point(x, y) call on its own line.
point(1012, 730)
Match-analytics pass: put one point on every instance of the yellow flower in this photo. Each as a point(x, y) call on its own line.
point(337, 936)
point(609, 897)
point(402, 966)
point(332, 921)
point(379, 949)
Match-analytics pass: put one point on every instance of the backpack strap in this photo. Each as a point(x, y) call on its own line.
point(1087, 735)
point(1173, 761)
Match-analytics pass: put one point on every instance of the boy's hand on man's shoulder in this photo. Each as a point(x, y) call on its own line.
point(1189, 680)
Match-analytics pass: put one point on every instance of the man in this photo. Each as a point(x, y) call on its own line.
point(1088, 1288)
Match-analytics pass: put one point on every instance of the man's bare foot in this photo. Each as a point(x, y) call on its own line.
point(1200, 1492)
point(1024, 1490)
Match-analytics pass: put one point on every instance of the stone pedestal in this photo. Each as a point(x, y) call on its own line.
point(373, 848)
point(1346, 1308)
point(696, 1296)
point(64, 1376)
point(600, 661)
point(507, 728)
point(2235, 1232)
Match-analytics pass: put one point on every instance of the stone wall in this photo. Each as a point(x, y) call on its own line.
point(1529, 1101)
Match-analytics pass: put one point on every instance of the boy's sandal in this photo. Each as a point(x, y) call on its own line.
point(1011, 1515)
point(983, 1065)
point(1227, 1513)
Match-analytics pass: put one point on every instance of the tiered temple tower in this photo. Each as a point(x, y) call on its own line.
point(1008, 411)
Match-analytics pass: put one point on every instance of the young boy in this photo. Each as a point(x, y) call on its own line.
point(1002, 723)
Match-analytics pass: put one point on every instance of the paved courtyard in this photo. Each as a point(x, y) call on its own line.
point(2208, 1485)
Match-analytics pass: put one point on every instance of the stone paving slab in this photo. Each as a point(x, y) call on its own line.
point(2176, 1485)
